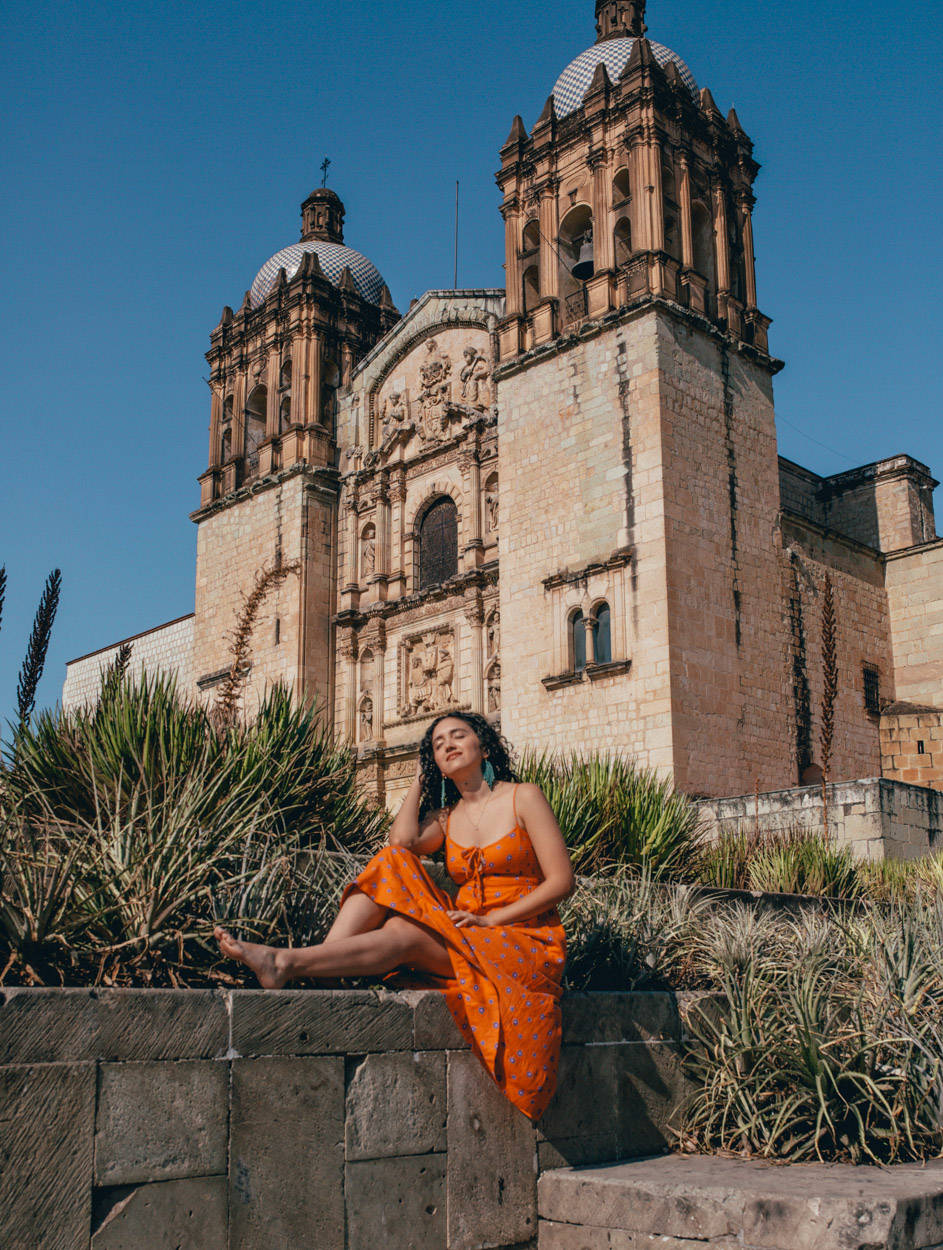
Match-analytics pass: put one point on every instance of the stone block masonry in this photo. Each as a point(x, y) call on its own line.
point(876, 818)
point(687, 1203)
point(166, 649)
point(315, 1120)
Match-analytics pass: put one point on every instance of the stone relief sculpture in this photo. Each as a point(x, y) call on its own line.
point(436, 391)
point(476, 379)
point(430, 673)
point(394, 415)
point(494, 686)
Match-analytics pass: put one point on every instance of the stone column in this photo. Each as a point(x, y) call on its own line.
point(382, 564)
point(721, 242)
point(313, 381)
point(475, 618)
point(272, 370)
point(397, 523)
point(471, 481)
point(641, 237)
point(510, 211)
point(239, 416)
point(347, 650)
point(299, 360)
point(216, 412)
point(749, 262)
point(353, 542)
point(602, 224)
point(379, 694)
point(549, 232)
point(656, 198)
point(687, 224)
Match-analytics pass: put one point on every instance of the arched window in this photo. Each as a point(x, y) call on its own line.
point(577, 642)
point(284, 414)
point(225, 431)
point(438, 543)
point(622, 237)
point(602, 634)
point(576, 260)
point(621, 188)
point(284, 377)
point(256, 406)
point(530, 251)
point(330, 381)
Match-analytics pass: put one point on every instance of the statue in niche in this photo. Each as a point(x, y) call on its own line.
point(435, 394)
point(494, 633)
point(366, 718)
point(494, 686)
point(368, 554)
point(491, 508)
point(476, 378)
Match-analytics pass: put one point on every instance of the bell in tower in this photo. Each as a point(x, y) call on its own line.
point(631, 186)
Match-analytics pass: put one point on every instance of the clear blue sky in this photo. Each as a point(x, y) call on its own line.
point(156, 155)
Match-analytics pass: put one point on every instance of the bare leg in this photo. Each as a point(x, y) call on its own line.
point(358, 914)
point(397, 942)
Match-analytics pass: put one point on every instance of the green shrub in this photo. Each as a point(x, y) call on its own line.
point(127, 828)
point(788, 861)
point(824, 1040)
point(611, 812)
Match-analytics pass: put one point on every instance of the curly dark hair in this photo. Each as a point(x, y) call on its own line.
point(493, 745)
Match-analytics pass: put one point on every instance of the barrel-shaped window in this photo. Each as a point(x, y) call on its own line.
point(438, 543)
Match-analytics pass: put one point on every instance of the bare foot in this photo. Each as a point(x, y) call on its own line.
point(263, 960)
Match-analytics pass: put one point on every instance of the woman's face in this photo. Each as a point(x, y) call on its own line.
point(455, 746)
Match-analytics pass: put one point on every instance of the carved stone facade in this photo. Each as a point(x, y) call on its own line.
point(561, 504)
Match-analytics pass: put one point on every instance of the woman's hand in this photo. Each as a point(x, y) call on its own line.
point(469, 919)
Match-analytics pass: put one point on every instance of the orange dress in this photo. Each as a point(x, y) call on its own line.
point(506, 981)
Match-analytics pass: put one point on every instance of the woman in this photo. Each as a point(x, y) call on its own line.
point(497, 950)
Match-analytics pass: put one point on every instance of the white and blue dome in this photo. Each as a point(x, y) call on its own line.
point(332, 258)
point(573, 83)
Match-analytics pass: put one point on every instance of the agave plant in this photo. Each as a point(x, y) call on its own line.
point(611, 811)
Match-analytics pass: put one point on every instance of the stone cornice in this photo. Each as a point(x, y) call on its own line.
point(591, 329)
point(323, 481)
point(456, 587)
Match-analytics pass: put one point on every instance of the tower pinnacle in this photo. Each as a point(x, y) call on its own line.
point(322, 216)
point(619, 19)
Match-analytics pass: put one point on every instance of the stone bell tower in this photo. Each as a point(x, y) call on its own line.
point(634, 351)
point(269, 494)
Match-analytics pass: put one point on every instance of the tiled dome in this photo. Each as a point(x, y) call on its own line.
point(574, 82)
point(332, 258)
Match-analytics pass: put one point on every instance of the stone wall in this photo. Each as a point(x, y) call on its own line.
point(167, 648)
point(912, 744)
point(915, 605)
point(291, 517)
point(876, 818)
point(316, 1120)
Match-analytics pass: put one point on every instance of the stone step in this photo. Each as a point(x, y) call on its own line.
point(686, 1202)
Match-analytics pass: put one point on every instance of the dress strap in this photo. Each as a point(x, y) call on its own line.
point(517, 822)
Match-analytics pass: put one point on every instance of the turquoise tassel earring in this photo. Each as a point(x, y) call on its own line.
point(443, 801)
point(489, 775)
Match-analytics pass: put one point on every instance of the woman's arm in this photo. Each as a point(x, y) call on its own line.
point(406, 830)
point(535, 815)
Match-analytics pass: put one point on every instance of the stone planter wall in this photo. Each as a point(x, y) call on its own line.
point(877, 818)
point(335, 1120)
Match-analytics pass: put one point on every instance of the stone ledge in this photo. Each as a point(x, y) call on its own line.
point(682, 1201)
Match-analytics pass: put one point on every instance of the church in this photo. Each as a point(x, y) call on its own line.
point(560, 503)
